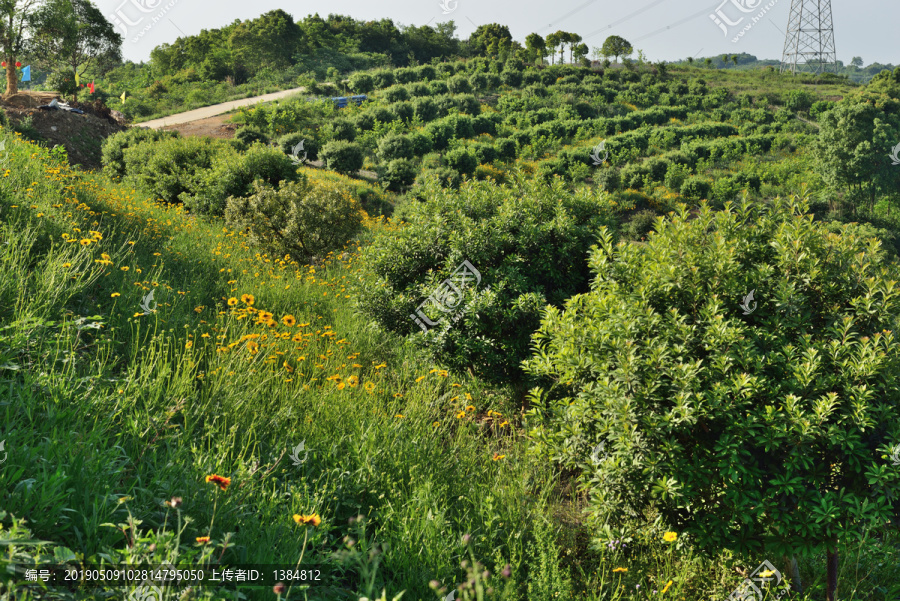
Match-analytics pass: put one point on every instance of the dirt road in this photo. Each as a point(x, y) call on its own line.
point(214, 110)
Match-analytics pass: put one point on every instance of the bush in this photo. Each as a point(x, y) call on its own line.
point(607, 179)
point(398, 174)
point(462, 160)
point(167, 168)
point(458, 84)
point(341, 129)
point(233, 174)
point(395, 94)
point(287, 143)
point(342, 156)
point(467, 104)
point(695, 187)
point(798, 100)
point(421, 143)
point(438, 87)
point(478, 82)
point(394, 146)
point(425, 109)
point(484, 153)
point(380, 113)
point(440, 132)
point(506, 149)
point(113, 149)
point(728, 408)
point(298, 219)
point(527, 241)
point(418, 90)
point(486, 123)
point(403, 111)
point(362, 83)
point(383, 78)
point(445, 176)
point(511, 78)
point(639, 225)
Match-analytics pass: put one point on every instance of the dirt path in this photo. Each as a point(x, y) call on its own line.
point(216, 109)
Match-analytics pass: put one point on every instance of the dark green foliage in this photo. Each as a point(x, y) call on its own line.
point(341, 129)
point(467, 104)
point(820, 107)
point(114, 147)
point(798, 100)
point(403, 111)
point(774, 403)
point(462, 160)
point(463, 126)
point(233, 174)
point(639, 225)
point(394, 146)
point(511, 78)
point(446, 176)
point(298, 219)
point(362, 83)
point(421, 143)
point(383, 78)
point(438, 87)
point(695, 187)
point(459, 84)
point(425, 73)
point(342, 156)
point(425, 109)
point(380, 113)
point(478, 82)
point(169, 167)
point(528, 242)
point(607, 179)
point(484, 153)
point(418, 90)
point(398, 174)
point(506, 149)
point(395, 94)
point(440, 132)
point(287, 143)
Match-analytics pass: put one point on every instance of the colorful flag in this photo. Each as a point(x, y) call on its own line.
point(91, 87)
point(26, 73)
point(123, 97)
point(76, 78)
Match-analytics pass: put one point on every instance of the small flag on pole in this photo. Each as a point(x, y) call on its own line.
point(91, 87)
point(26, 73)
point(76, 78)
point(123, 97)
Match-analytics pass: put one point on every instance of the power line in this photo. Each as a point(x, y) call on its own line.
point(625, 18)
point(570, 13)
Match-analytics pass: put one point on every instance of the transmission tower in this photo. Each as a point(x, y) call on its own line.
point(809, 43)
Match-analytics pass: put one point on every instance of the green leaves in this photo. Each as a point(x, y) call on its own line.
point(746, 430)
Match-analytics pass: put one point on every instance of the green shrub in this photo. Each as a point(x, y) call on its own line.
point(113, 149)
point(341, 129)
point(403, 111)
point(798, 100)
point(298, 219)
point(383, 78)
point(398, 174)
point(380, 113)
point(458, 84)
point(248, 135)
point(421, 143)
point(395, 94)
point(425, 73)
point(425, 109)
point(467, 104)
point(511, 78)
point(639, 225)
point(342, 156)
point(445, 176)
point(438, 87)
point(529, 243)
point(362, 83)
point(394, 146)
point(167, 168)
point(478, 82)
point(462, 160)
point(233, 174)
point(440, 132)
point(607, 179)
point(712, 404)
point(418, 90)
point(506, 149)
point(287, 143)
point(484, 153)
point(695, 187)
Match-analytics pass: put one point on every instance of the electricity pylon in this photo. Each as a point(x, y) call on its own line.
point(809, 43)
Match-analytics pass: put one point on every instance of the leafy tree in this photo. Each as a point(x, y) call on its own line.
point(764, 429)
point(553, 41)
point(856, 62)
point(15, 33)
point(852, 150)
point(342, 156)
point(574, 40)
point(269, 40)
point(485, 34)
point(616, 46)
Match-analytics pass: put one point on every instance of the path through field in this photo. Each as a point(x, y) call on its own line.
point(216, 109)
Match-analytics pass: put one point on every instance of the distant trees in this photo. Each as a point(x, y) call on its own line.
point(14, 34)
point(485, 35)
point(270, 40)
point(537, 47)
point(616, 46)
point(69, 36)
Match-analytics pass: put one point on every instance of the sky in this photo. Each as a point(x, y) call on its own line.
point(662, 29)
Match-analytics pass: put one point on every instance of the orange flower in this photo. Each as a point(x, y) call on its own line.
point(305, 520)
point(202, 539)
point(221, 481)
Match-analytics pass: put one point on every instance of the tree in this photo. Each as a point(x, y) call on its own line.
point(485, 34)
point(536, 46)
point(15, 32)
point(553, 41)
point(708, 63)
point(268, 41)
point(616, 46)
point(734, 59)
point(856, 62)
point(852, 150)
point(758, 424)
point(581, 51)
point(574, 39)
point(690, 60)
point(73, 36)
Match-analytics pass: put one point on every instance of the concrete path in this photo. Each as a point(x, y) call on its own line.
point(215, 109)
